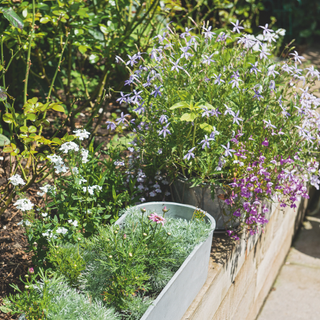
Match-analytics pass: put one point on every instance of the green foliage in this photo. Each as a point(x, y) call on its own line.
point(120, 268)
point(90, 195)
point(94, 33)
point(47, 296)
point(34, 299)
point(136, 260)
point(67, 260)
point(220, 13)
point(299, 18)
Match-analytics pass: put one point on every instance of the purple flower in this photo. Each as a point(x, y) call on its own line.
point(205, 142)
point(218, 79)
point(189, 154)
point(237, 213)
point(110, 125)
point(208, 34)
point(236, 27)
point(296, 56)
point(266, 30)
point(265, 142)
point(228, 151)
point(236, 119)
point(132, 60)
point(165, 130)
point(175, 65)
point(123, 98)
point(156, 92)
point(122, 118)
point(255, 68)
point(163, 118)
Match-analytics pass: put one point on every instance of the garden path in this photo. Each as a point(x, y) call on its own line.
point(296, 292)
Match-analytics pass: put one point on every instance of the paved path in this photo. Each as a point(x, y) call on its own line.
point(296, 292)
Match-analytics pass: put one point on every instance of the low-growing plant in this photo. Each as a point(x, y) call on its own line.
point(47, 296)
point(136, 260)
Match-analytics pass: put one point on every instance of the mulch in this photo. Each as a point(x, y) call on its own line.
point(14, 259)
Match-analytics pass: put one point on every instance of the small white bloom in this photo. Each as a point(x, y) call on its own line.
point(82, 181)
point(58, 163)
point(45, 214)
point(67, 146)
point(282, 32)
point(75, 223)
point(62, 230)
point(75, 170)
point(17, 180)
point(23, 204)
point(70, 221)
point(91, 189)
point(45, 189)
point(26, 223)
point(81, 134)
point(85, 155)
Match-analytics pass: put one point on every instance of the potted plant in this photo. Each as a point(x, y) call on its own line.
point(154, 258)
point(215, 109)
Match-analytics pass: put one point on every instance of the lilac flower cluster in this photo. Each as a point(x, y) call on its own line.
point(282, 180)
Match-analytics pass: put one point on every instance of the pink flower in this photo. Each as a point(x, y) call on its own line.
point(156, 218)
point(31, 270)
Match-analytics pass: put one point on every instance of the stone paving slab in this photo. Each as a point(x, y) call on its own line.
point(296, 292)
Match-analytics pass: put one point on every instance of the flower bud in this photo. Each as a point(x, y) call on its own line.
point(144, 234)
point(143, 210)
point(130, 254)
point(110, 257)
point(164, 210)
point(124, 236)
point(31, 270)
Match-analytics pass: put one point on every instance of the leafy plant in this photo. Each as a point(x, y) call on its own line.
point(93, 33)
point(205, 100)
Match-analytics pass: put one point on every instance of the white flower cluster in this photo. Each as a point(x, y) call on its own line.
point(49, 234)
point(62, 230)
point(74, 223)
point(85, 155)
point(16, 180)
point(23, 204)
point(46, 188)
point(69, 146)
point(24, 222)
point(91, 189)
point(81, 134)
point(58, 163)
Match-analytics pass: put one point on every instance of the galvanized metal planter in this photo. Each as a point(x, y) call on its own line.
point(200, 196)
point(183, 287)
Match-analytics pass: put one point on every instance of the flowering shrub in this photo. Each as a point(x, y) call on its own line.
point(88, 189)
point(200, 96)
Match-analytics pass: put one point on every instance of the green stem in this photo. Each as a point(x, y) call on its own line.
point(29, 54)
